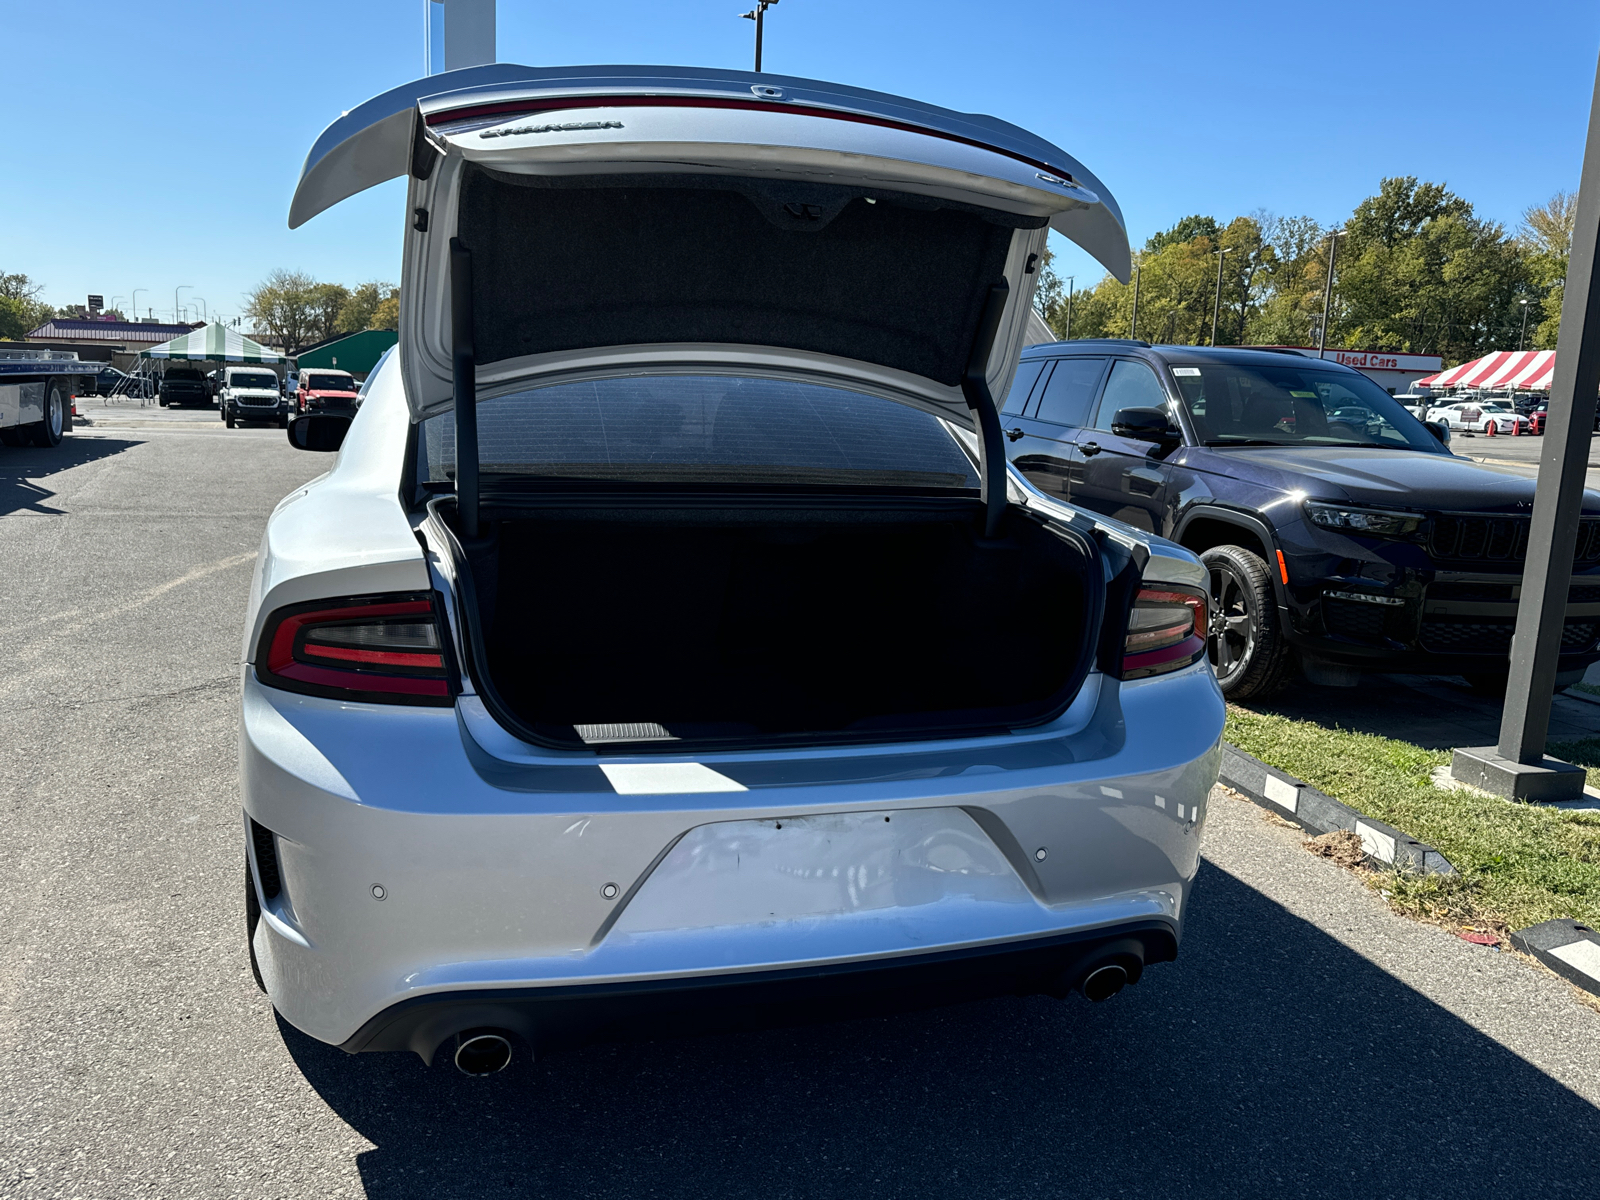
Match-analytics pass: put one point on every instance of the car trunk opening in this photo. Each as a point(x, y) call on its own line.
point(662, 622)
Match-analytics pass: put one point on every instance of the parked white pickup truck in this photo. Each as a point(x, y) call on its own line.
point(36, 392)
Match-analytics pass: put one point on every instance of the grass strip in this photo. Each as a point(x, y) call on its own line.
point(1519, 864)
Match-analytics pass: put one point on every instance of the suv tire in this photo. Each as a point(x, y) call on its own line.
point(227, 415)
point(1245, 645)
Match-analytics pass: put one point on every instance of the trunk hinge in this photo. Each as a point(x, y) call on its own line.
point(466, 387)
point(975, 387)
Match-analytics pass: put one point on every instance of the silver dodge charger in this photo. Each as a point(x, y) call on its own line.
point(671, 645)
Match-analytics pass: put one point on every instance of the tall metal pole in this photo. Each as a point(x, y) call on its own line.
point(1327, 293)
point(1558, 499)
point(758, 15)
point(1216, 306)
point(175, 291)
point(1133, 325)
point(1523, 336)
point(1067, 334)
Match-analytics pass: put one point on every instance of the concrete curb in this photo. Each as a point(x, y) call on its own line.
point(1318, 813)
point(1569, 949)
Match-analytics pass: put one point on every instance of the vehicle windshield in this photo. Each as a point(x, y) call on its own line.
point(704, 428)
point(1249, 404)
point(184, 373)
point(255, 381)
point(329, 383)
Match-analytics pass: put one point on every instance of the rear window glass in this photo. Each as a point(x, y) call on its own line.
point(691, 428)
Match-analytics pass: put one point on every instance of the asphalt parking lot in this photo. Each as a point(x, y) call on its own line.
point(1519, 454)
point(1307, 1042)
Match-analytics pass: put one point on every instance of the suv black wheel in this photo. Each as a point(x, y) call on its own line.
point(1246, 646)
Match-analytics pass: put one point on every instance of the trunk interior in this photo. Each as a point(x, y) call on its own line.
point(733, 624)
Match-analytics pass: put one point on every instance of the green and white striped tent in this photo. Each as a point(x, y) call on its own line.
point(213, 343)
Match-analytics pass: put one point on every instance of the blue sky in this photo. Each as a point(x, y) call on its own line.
point(180, 126)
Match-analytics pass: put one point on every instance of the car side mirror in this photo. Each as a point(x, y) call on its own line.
point(318, 431)
point(1440, 430)
point(1145, 425)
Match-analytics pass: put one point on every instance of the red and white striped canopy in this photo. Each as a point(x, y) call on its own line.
point(1529, 370)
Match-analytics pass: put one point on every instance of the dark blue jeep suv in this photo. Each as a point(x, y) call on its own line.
point(1341, 535)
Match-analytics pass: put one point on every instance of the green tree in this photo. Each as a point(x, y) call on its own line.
point(1546, 237)
point(361, 308)
point(1420, 272)
point(327, 301)
point(285, 306)
point(387, 314)
point(21, 310)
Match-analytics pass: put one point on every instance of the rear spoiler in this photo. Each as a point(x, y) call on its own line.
point(376, 141)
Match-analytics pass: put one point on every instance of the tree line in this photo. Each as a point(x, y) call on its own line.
point(295, 311)
point(1416, 271)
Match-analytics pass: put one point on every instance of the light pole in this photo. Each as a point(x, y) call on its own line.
point(176, 319)
point(205, 313)
point(758, 15)
point(1216, 306)
point(1523, 336)
point(1133, 325)
point(135, 304)
point(1066, 335)
point(114, 300)
point(1327, 294)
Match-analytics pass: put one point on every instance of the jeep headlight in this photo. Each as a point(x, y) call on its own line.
point(1375, 522)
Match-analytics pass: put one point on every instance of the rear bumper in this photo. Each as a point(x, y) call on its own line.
point(548, 1018)
point(537, 888)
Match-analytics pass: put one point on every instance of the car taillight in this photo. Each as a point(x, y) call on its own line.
point(1166, 631)
point(384, 648)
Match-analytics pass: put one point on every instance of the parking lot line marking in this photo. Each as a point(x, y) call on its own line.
point(643, 779)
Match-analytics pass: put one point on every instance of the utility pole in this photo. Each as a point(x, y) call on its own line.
point(1516, 767)
point(758, 15)
point(1523, 336)
point(1216, 306)
point(1327, 294)
point(176, 318)
point(1133, 325)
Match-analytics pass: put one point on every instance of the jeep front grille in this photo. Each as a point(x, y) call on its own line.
point(1468, 537)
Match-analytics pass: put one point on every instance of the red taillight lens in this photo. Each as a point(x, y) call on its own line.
point(384, 648)
point(1166, 631)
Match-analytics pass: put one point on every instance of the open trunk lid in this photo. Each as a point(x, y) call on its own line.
point(629, 219)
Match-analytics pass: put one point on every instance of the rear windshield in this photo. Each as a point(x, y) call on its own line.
point(328, 383)
point(254, 381)
point(1239, 404)
point(694, 428)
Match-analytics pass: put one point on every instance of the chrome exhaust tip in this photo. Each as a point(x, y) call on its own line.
point(482, 1052)
point(1102, 983)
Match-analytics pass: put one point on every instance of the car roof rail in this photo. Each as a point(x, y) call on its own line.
point(1095, 342)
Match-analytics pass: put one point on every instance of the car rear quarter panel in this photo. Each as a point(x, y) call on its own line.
point(346, 532)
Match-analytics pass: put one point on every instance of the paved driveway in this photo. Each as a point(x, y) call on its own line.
point(1307, 1043)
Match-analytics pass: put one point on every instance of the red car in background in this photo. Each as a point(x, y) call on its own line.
point(326, 389)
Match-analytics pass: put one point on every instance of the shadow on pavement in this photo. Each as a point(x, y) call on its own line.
point(1269, 1060)
point(1439, 712)
point(21, 465)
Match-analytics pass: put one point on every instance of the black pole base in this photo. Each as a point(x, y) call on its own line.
point(1543, 782)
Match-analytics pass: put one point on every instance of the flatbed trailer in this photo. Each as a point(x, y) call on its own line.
point(37, 389)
